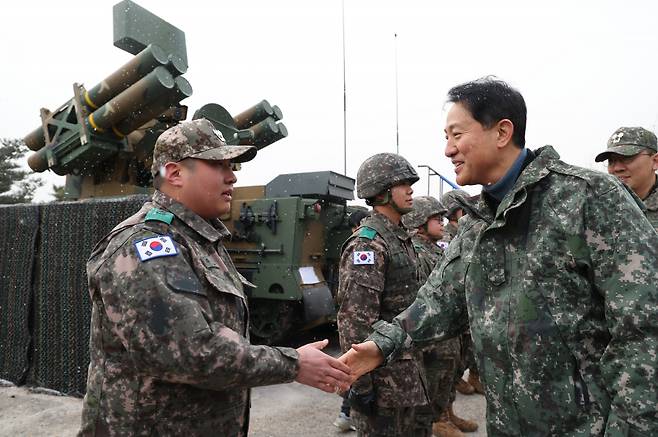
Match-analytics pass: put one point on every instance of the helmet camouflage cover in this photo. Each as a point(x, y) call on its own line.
point(424, 208)
point(449, 200)
point(382, 171)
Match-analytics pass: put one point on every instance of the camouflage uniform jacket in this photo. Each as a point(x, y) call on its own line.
point(560, 288)
point(170, 353)
point(428, 253)
point(651, 204)
point(378, 291)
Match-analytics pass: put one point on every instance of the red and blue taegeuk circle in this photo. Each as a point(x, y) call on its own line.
point(155, 245)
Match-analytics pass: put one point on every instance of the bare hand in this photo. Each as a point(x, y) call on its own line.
point(362, 358)
point(319, 370)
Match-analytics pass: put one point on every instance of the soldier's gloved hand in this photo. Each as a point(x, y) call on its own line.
point(364, 403)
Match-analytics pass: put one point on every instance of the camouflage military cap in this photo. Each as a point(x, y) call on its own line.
point(450, 202)
point(196, 139)
point(382, 171)
point(424, 208)
point(629, 141)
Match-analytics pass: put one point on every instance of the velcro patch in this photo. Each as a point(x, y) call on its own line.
point(363, 257)
point(155, 247)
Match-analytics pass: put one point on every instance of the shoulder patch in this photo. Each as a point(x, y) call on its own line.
point(155, 247)
point(159, 215)
point(367, 232)
point(363, 257)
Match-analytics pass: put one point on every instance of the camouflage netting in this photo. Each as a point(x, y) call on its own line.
point(18, 233)
point(43, 288)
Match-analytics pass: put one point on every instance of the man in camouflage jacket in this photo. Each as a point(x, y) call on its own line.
point(170, 351)
point(632, 156)
point(377, 279)
point(557, 268)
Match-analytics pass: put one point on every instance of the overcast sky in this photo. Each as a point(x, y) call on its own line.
point(584, 68)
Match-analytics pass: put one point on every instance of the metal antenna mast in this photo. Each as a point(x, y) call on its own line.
point(344, 101)
point(397, 130)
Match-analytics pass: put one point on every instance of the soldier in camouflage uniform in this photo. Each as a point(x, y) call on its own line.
point(170, 351)
point(377, 279)
point(453, 201)
point(425, 224)
point(454, 212)
point(632, 157)
point(557, 268)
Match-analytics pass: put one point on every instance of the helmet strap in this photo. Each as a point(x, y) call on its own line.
point(380, 201)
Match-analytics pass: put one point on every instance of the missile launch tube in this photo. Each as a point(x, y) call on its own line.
point(143, 92)
point(139, 66)
point(253, 115)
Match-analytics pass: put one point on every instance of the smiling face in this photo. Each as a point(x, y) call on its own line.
point(207, 187)
point(637, 171)
point(471, 147)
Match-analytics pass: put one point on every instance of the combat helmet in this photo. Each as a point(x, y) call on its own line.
point(424, 208)
point(450, 202)
point(382, 171)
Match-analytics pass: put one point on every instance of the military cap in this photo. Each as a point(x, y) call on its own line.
point(196, 139)
point(629, 141)
point(382, 171)
point(424, 208)
point(450, 202)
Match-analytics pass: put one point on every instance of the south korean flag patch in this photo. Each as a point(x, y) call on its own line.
point(365, 257)
point(155, 247)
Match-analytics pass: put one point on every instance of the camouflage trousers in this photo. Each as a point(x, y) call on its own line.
point(390, 422)
point(467, 360)
point(441, 361)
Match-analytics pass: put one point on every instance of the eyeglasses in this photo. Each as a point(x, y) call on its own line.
point(624, 160)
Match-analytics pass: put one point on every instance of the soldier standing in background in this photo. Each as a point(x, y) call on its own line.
point(454, 212)
point(378, 278)
point(454, 201)
point(344, 420)
point(557, 267)
point(632, 158)
point(170, 350)
point(425, 224)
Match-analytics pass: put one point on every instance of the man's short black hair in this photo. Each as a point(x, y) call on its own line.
point(490, 100)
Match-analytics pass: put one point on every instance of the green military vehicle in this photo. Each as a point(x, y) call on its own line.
point(287, 237)
point(287, 234)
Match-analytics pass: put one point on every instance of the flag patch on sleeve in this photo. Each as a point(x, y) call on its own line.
point(155, 247)
point(364, 257)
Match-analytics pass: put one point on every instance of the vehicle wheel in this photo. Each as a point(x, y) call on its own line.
point(270, 320)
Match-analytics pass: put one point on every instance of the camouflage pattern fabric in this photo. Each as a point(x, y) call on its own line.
point(629, 141)
point(170, 353)
point(440, 359)
point(651, 204)
point(424, 208)
point(390, 422)
point(196, 139)
point(453, 200)
point(382, 171)
point(560, 287)
point(378, 291)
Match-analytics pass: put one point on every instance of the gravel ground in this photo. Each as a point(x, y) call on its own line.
point(286, 410)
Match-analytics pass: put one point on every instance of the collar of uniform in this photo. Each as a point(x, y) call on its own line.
point(212, 231)
point(398, 230)
point(535, 171)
